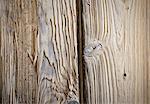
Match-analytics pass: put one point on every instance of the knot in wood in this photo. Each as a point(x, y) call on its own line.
point(94, 48)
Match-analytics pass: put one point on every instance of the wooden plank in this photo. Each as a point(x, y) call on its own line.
point(57, 52)
point(39, 52)
point(116, 51)
point(19, 25)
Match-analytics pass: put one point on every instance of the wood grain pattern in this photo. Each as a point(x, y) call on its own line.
point(116, 51)
point(57, 52)
point(41, 42)
point(18, 27)
point(39, 51)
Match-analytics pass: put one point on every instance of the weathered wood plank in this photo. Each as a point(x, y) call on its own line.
point(57, 52)
point(115, 52)
point(18, 27)
point(39, 52)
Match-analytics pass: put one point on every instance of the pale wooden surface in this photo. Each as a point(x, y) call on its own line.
point(57, 52)
point(40, 58)
point(117, 52)
point(39, 51)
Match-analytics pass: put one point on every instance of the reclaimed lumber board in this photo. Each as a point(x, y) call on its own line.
point(39, 51)
point(18, 30)
point(116, 51)
point(57, 52)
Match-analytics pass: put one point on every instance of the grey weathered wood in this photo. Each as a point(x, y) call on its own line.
point(38, 45)
point(57, 52)
point(39, 51)
point(116, 51)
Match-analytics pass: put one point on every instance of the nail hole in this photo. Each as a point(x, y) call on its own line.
point(125, 75)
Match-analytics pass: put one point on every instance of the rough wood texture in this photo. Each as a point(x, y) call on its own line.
point(39, 58)
point(57, 52)
point(18, 28)
point(39, 51)
point(116, 51)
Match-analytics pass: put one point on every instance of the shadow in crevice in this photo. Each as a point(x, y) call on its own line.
point(80, 48)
